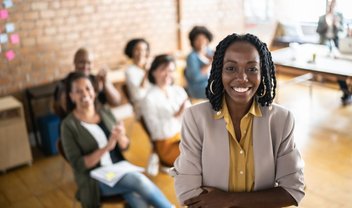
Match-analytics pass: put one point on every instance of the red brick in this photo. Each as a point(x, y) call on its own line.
point(39, 5)
point(28, 41)
point(51, 31)
point(47, 14)
point(55, 5)
point(68, 4)
point(31, 15)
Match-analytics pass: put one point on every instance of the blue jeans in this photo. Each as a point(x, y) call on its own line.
point(138, 190)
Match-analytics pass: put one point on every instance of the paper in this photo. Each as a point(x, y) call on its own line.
point(111, 174)
point(4, 14)
point(10, 55)
point(15, 38)
point(3, 38)
point(8, 3)
point(10, 27)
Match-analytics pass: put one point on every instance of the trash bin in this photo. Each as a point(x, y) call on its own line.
point(49, 127)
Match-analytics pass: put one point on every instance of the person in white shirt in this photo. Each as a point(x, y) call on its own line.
point(136, 74)
point(163, 107)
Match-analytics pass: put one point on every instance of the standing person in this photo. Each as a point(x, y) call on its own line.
point(136, 74)
point(163, 108)
point(330, 24)
point(329, 27)
point(106, 92)
point(91, 138)
point(238, 149)
point(198, 61)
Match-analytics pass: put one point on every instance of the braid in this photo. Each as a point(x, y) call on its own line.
point(267, 87)
point(216, 73)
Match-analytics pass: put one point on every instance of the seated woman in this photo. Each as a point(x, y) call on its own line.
point(136, 73)
point(163, 107)
point(198, 62)
point(105, 90)
point(92, 138)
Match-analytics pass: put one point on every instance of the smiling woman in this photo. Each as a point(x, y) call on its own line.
point(261, 166)
point(163, 108)
point(92, 138)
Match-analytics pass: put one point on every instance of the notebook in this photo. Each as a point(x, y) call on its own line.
point(111, 174)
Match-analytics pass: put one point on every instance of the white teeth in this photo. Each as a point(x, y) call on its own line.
point(85, 99)
point(240, 89)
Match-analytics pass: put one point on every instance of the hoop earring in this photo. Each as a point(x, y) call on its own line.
point(211, 87)
point(263, 94)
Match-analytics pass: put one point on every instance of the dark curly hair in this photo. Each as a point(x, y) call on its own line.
point(158, 61)
point(197, 30)
point(266, 91)
point(132, 43)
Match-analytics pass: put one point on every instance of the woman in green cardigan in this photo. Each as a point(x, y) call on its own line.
point(92, 138)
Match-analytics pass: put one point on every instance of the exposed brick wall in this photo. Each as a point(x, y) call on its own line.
point(221, 17)
point(51, 31)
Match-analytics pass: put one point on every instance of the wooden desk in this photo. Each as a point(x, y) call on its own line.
point(300, 57)
point(335, 65)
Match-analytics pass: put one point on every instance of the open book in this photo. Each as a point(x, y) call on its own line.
point(111, 174)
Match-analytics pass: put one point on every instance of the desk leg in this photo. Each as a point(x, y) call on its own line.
point(32, 119)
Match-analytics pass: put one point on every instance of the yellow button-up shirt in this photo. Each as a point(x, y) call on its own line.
point(241, 176)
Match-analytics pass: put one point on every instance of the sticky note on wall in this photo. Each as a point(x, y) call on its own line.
point(15, 38)
point(8, 3)
point(10, 27)
point(4, 14)
point(10, 55)
point(3, 38)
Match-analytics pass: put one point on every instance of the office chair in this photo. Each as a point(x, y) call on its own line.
point(113, 200)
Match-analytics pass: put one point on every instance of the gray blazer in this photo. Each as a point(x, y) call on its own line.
point(204, 158)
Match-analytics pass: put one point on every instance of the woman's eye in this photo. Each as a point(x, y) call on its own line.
point(253, 69)
point(229, 68)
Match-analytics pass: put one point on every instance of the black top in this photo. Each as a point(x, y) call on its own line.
point(115, 154)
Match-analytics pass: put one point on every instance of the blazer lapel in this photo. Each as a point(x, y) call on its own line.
point(217, 139)
point(264, 167)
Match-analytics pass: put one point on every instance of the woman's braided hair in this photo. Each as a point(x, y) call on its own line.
point(265, 94)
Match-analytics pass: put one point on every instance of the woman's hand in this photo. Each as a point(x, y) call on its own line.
point(102, 74)
point(210, 197)
point(111, 144)
point(118, 134)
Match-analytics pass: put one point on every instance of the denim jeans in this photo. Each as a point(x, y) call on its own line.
point(138, 190)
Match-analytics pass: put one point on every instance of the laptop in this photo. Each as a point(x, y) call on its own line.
point(345, 45)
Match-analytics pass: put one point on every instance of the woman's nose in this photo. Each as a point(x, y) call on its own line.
point(242, 76)
point(85, 93)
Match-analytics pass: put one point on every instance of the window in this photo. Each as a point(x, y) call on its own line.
point(344, 6)
point(258, 11)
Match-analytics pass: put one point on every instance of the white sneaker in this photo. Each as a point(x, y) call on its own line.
point(153, 165)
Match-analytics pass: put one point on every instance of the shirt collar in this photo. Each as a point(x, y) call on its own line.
point(254, 110)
